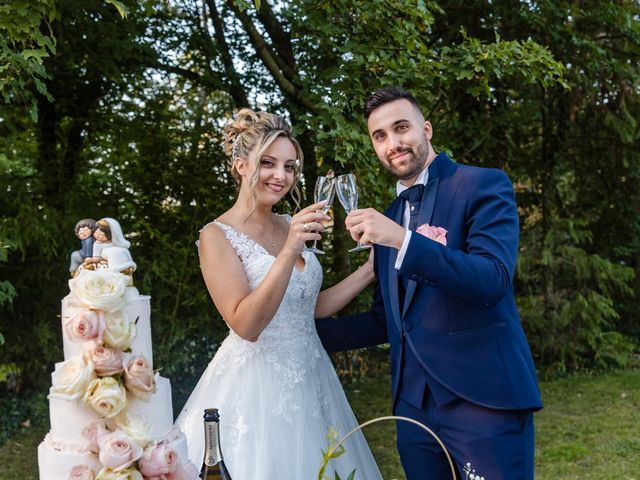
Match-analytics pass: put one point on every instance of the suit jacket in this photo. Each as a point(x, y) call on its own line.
point(459, 315)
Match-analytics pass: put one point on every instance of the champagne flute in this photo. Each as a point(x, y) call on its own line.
point(323, 191)
point(348, 196)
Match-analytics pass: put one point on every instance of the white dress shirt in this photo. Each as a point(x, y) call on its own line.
point(423, 178)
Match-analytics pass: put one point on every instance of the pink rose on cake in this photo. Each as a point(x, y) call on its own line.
point(136, 427)
point(93, 432)
point(82, 472)
point(126, 474)
point(139, 378)
point(71, 378)
point(437, 234)
point(106, 396)
point(184, 471)
point(106, 361)
point(158, 460)
point(118, 451)
point(85, 325)
point(100, 290)
point(119, 332)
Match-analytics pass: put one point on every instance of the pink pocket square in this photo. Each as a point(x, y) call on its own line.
point(437, 234)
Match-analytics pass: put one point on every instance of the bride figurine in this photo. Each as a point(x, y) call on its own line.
point(110, 249)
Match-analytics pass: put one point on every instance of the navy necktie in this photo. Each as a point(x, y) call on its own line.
point(413, 196)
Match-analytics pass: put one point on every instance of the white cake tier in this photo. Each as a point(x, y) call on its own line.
point(138, 309)
point(57, 458)
point(70, 417)
point(158, 410)
point(178, 441)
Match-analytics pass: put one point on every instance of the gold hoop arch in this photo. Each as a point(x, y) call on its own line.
point(393, 417)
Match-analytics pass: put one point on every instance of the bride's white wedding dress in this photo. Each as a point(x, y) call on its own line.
point(278, 397)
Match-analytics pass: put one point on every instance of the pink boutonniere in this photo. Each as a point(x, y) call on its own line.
point(437, 234)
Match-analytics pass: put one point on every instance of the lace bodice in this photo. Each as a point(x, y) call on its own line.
point(290, 341)
point(294, 317)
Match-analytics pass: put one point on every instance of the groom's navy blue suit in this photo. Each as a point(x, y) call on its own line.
point(459, 356)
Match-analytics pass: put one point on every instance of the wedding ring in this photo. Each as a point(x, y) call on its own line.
point(305, 227)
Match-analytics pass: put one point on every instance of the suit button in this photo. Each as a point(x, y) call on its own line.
point(408, 326)
point(414, 277)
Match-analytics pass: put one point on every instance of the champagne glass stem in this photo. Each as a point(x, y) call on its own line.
point(314, 247)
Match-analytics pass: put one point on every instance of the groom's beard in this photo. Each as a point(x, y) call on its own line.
point(415, 163)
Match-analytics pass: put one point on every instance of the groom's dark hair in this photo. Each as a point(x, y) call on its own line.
point(387, 95)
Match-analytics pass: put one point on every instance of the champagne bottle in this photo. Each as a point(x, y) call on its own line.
point(213, 467)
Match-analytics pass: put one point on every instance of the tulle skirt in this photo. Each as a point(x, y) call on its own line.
point(277, 408)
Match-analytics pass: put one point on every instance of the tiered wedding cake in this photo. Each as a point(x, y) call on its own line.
point(111, 416)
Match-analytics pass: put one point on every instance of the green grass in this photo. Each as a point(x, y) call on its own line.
point(588, 430)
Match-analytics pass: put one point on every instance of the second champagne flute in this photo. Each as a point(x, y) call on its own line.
point(348, 195)
point(324, 191)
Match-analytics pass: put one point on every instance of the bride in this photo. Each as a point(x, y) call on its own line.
point(272, 382)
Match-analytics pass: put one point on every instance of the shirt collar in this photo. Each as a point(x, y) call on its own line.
point(423, 177)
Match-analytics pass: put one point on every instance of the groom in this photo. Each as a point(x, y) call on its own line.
point(445, 256)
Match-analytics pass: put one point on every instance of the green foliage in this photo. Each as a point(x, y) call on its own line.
point(544, 90)
point(334, 450)
point(7, 290)
point(578, 278)
point(121, 7)
point(572, 324)
point(26, 40)
point(18, 412)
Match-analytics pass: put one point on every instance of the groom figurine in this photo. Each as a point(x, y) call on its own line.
point(445, 257)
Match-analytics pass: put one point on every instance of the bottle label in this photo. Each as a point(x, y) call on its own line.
point(211, 441)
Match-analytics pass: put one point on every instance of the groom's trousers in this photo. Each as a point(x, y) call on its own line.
point(494, 444)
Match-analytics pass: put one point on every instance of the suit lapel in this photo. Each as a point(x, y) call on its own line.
point(395, 213)
point(426, 213)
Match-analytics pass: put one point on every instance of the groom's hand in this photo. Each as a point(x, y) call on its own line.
point(369, 226)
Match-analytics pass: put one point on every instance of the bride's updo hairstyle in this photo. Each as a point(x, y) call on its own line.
point(254, 132)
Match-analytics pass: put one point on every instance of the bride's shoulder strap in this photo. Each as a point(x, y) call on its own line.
point(237, 240)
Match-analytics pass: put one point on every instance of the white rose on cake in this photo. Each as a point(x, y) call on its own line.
point(71, 378)
point(119, 332)
point(136, 427)
point(106, 396)
point(100, 290)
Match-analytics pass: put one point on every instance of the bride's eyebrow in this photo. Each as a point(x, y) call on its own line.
point(269, 157)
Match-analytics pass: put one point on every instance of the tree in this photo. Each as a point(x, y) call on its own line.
point(134, 132)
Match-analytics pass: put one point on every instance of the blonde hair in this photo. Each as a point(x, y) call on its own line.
point(258, 130)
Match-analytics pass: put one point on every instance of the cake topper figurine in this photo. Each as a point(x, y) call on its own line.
point(110, 249)
point(84, 231)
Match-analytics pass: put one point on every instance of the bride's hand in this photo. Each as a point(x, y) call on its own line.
point(305, 226)
point(369, 262)
point(367, 267)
